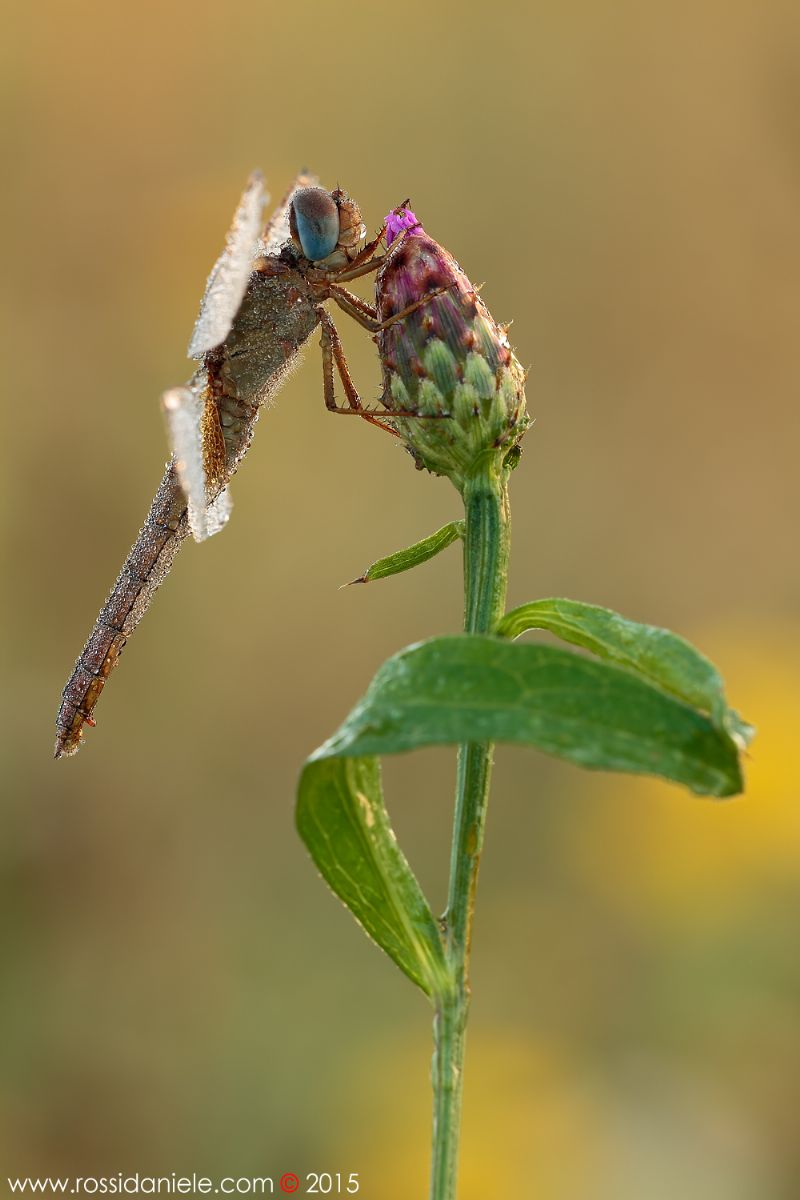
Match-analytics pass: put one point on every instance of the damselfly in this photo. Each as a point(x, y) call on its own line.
point(262, 302)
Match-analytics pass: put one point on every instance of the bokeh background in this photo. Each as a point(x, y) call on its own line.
point(180, 992)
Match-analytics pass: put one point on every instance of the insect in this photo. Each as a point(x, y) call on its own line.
point(263, 300)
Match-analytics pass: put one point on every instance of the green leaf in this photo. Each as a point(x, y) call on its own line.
point(343, 822)
point(475, 688)
point(656, 654)
point(472, 688)
point(413, 556)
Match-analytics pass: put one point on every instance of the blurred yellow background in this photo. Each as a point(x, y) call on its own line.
point(180, 992)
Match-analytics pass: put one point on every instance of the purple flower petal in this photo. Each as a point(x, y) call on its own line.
point(398, 220)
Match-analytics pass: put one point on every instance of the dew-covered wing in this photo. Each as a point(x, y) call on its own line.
point(228, 280)
point(183, 410)
point(218, 512)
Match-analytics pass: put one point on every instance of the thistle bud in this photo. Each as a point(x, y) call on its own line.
point(447, 358)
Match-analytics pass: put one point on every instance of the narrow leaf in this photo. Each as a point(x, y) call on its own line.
point(595, 714)
point(656, 654)
point(343, 822)
point(414, 556)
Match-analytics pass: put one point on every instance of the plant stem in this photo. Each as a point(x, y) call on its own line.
point(486, 552)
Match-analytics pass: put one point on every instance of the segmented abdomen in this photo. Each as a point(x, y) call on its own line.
point(146, 566)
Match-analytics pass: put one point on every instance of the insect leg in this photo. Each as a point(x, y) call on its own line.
point(362, 312)
point(352, 304)
point(364, 261)
point(333, 354)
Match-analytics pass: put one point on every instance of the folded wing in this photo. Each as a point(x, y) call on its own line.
point(183, 411)
point(228, 280)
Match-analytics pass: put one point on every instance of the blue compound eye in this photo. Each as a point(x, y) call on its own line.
point(314, 222)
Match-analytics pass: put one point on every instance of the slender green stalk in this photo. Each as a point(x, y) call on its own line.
point(486, 551)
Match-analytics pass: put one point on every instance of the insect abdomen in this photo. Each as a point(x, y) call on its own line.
point(146, 566)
